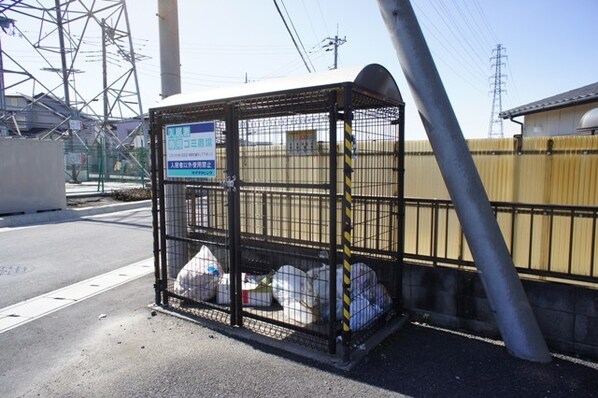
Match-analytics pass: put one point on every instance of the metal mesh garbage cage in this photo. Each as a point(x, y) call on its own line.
point(278, 205)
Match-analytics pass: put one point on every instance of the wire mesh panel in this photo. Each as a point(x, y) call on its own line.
point(194, 237)
point(285, 208)
point(296, 232)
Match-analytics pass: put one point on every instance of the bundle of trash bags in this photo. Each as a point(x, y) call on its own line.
point(304, 296)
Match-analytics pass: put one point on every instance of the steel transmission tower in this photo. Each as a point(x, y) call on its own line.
point(497, 87)
point(7, 26)
point(80, 54)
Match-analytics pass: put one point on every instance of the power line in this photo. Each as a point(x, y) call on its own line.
point(465, 62)
point(460, 36)
point(292, 37)
point(474, 30)
point(485, 20)
point(484, 33)
point(322, 15)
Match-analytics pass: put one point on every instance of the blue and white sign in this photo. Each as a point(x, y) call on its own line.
point(191, 150)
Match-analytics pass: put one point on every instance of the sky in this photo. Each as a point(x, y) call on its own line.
point(550, 45)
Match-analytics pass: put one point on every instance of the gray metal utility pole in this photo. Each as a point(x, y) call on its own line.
point(170, 74)
point(335, 42)
point(65, 81)
point(504, 290)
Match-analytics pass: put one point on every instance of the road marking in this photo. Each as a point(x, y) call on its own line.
point(37, 307)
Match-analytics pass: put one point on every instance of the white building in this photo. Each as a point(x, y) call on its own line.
point(560, 114)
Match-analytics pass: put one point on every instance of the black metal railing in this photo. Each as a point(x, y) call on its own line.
point(298, 218)
point(549, 240)
point(554, 241)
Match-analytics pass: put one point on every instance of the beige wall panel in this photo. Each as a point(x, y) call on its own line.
point(505, 222)
point(410, 230)
point(582, 250)
point(567, 176)
point(560, 244)
point(520, 251)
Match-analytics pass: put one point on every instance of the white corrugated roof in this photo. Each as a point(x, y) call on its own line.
point(318, 79)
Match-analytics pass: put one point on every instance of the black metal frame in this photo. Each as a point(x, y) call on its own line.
point(441, 209)
point(381, 245)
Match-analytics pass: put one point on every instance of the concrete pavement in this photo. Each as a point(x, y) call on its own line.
point(131, 352)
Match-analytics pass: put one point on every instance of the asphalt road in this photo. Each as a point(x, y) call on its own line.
point(79, 352)
point(38, 259)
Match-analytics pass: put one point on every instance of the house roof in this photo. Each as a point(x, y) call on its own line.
point(578, 96)
point(373, 78)
point(52, 104)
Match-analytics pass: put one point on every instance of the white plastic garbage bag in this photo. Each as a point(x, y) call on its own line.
point(379, 296)
point(199, 277)
point(362, 278)
point(318, 277)
point(362, 312)
point(369, 298)
point(292, 289)
point(297, 311)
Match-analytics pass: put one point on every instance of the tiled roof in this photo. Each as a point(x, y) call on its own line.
point(577, 96)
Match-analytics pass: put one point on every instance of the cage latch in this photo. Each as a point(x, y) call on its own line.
point(229, 183)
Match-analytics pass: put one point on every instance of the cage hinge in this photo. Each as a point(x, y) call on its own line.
point(229, 183)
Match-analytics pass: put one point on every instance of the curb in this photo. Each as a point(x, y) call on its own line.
point(333, 360)
point(68, 214)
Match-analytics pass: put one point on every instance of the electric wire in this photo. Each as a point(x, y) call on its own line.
point(451, 50)
point(297, 34)
point(455, 29)
point(292, 37)
point(488, 42)
point(474, 31)
point(485, 21)
point(311, 25)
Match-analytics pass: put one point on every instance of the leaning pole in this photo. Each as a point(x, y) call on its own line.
point(511, 308)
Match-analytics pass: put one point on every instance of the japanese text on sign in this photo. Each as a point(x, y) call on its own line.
point(191, 150)
point(302, 142)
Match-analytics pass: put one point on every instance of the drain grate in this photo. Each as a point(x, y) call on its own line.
point(10, 270)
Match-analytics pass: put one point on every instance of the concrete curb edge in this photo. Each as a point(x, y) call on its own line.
point(68, 214)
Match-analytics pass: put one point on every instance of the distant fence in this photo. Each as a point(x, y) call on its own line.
point(106, 163)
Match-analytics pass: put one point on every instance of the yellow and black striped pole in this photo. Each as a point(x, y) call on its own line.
point(347, 220)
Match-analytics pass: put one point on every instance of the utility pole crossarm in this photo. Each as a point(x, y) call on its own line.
point(333, 44)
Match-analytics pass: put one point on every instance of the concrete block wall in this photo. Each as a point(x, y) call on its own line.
point(455, 299)
point(32, 177)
